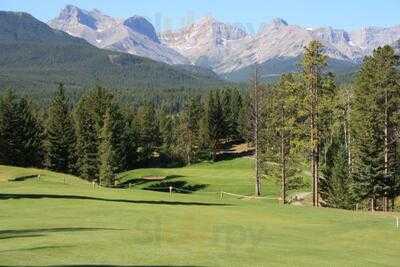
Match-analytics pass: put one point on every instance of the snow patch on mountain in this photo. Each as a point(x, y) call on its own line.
point(135, 35)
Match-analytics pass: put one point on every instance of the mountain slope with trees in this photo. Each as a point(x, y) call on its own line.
point(34, 56)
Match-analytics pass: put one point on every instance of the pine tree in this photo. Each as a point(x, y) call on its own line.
point(168, 136)
point(20, 132)
point(120, 137)
point(336, 181)
point(107, 152)
point(98, 102)
point(60, 134)
point(189, 129)
point(375, 127)
point(89, 120)
point(215, 119)
point(29, 136)
point(335, 184)
point(227, 109)
point(313, 64)
point(245, 122)
point(234, 118)
point(149, 132)
point(132, 141)
point(283, 130)
point(9, 129)
point(87, 142)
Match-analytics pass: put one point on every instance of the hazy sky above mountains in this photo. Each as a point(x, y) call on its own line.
point(167, 14)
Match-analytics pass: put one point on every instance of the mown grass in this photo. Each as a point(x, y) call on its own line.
point(234, 176)
point(9, 173)
point(48, 222)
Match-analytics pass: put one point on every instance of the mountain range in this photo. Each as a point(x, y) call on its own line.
point(224, 48)
point(36, 56)
point(134, 35)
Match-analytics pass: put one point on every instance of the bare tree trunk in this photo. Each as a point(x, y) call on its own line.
point(283, 155)
point(188, 160)
point(189, 156)
point(372, 204)
point(313, 160)
point(313, 177)
point(312, 144)
point(313, 140)
point(258, 180)
point(317, 141)
point(348, 135)
point(256, 135)
point(317, 176)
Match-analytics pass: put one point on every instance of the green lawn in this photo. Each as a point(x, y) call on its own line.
point(234, 176)
point(48, 223)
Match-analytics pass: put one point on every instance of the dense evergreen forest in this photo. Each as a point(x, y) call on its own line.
point(348, 134)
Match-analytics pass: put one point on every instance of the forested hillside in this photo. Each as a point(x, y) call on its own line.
point(272, 69)
point(35, 57)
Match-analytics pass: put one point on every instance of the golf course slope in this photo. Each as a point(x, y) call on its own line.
point(60, 220)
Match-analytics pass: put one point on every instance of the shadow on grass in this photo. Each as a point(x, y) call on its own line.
point(226, 155)
point(150, 202)
point(141, 181)
point(8, 234)
point(23, 178)
point(179, 186)
point(17, 236)
point(34, 248)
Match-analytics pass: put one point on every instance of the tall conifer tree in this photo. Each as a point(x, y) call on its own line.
point(60, 134)
point(375, 128)
point(107, 153)
point(215, 121)
point(314, 64)
point(21, 132)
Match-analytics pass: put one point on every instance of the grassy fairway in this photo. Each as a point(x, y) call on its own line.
point(235, 176)
point(49, 223)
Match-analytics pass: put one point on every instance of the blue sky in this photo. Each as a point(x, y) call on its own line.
point(346, 14)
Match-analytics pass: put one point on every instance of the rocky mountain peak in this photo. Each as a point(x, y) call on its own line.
point(205, 42)
point(369, 38)
point(143, 26)
point(74, 14)
point(331, 35)
point(216, 29)
point(273, 25)
point(278, 22)
point(69, 9)
point(134, 35)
